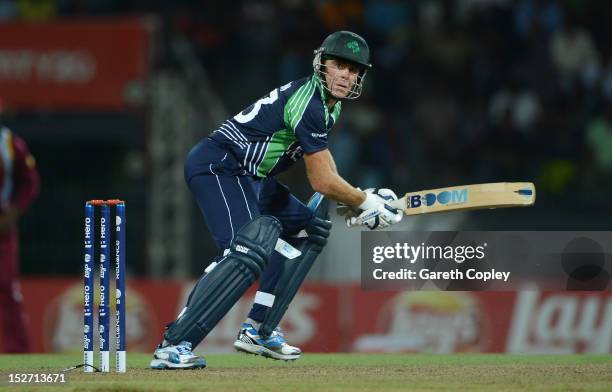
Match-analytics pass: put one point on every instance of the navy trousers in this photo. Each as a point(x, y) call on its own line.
point(229, 198)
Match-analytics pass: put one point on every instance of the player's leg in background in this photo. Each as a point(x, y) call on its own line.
point(317, 231)
point(276, 200)
point(283, 277)
point(12, 314)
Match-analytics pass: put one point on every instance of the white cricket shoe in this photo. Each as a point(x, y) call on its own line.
point(176, 357)
point(275, 347)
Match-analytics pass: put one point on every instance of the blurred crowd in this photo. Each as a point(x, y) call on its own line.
point(460, 91)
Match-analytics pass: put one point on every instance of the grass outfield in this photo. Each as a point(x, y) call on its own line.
point(332, 372)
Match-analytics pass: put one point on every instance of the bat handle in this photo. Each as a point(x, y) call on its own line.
point(398, 204)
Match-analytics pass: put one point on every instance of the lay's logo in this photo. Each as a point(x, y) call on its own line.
point(445, 197)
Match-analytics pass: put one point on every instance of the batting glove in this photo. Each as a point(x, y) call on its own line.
point(376, 212)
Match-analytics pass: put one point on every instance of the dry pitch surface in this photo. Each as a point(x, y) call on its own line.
point(331, 372)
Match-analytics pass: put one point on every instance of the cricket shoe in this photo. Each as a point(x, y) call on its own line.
point(176, 357)
point(275, 347)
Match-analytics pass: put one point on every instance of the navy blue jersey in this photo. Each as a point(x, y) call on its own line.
point(274, 132)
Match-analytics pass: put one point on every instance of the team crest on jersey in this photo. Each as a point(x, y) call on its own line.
point(354, 46)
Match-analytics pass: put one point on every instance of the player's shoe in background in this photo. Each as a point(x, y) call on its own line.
point(176, 357)
point(275, 347)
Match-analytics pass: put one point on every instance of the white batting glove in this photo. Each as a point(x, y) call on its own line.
point(384, 193)
point(377, 213)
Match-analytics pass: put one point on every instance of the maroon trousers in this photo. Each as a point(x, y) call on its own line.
point(12, 315)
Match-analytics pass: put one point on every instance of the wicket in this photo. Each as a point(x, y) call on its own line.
point(89, 285)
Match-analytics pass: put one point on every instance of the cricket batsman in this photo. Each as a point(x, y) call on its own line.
point(260, 228)
point(19, 183)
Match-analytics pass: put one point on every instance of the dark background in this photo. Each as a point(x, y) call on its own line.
point(460, 92)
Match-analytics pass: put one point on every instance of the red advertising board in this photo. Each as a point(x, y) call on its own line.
point(518, 322)
point(55, 313)
point(326, 318)
point(430, 321)
point(73, 65)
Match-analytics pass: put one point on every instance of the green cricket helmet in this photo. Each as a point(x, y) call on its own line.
point(347, 46)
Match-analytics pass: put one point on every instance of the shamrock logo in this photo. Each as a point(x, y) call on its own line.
point(354, 46)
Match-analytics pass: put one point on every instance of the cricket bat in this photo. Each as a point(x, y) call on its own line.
point(467, 197)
